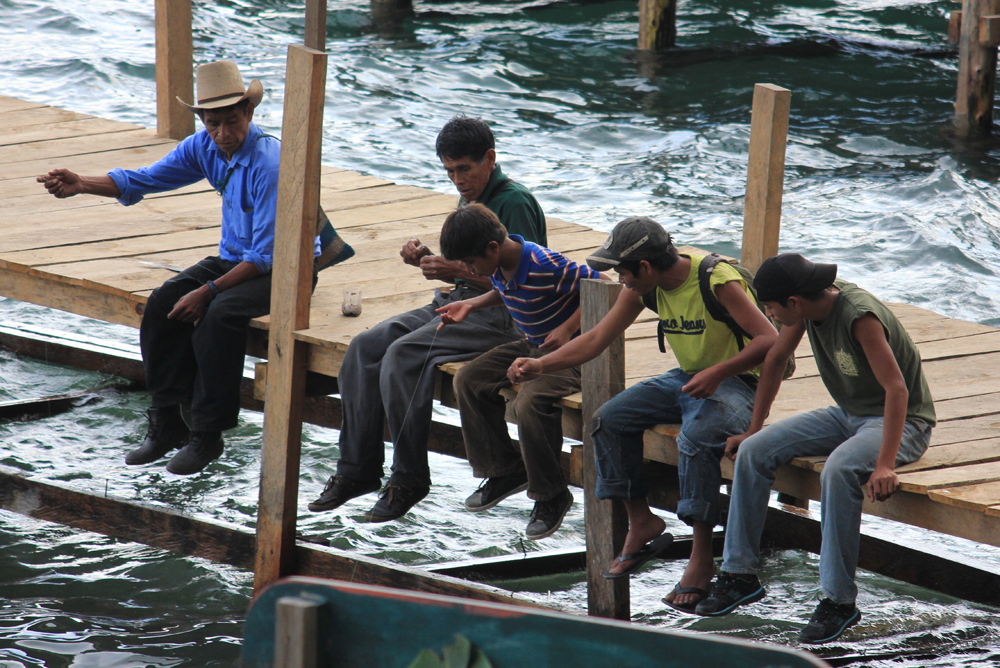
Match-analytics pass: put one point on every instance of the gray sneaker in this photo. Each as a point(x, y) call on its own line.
point(547, 516)
point(829, 621)
point(495, 490)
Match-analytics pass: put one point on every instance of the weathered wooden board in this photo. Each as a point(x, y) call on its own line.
point(63, 148)
point(63, 130)
point(10, 104)
point(954, 476)
point(88, 163)
point(37, 116)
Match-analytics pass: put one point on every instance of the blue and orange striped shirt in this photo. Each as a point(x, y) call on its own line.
point(544, 291)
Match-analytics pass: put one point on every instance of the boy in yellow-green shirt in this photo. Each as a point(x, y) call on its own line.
point(711, 393)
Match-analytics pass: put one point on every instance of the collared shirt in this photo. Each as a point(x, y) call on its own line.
point(514, 205)
point(248, 184)
point(544, 291)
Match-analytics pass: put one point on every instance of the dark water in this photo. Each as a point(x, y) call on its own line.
point(599, 132)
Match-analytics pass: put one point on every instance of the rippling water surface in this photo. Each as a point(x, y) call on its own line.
point(599, 132)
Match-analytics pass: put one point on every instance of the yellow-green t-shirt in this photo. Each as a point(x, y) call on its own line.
point(697, 339)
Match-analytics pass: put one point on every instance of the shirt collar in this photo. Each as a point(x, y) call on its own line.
point(496, 176)
point(521, 274)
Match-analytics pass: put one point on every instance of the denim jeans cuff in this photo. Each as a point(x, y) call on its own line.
point(690, 511)
point(619, 489)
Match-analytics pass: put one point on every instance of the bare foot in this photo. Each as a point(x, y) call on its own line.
point(639, 533)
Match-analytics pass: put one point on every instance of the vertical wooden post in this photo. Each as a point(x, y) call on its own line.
point(606, 521)
point(315, 37)
point(977, 72)
point(296, 633)
point(174, 68)
point(765, 174)
point(657, 24)
point(291, 290)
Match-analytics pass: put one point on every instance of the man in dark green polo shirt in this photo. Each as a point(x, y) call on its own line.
point(388, 370)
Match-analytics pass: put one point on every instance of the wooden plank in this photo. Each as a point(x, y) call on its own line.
point(657, 24)
point(10, 104)
point(956, 476)
point(765, 174)
point(989, 31)
point(116, 248)
point(296, 632)
point(89, 163)
point(977, 66)
point(174, 68)
point(62, 148)
point(38, 116)
point(955, 26)
point(291, 290)
point(385, 213)
point(386, 194)
point(72, 298)
point(977, 497)
point(214, 540)
point(606, 522)
point(315, 32)
point(64, 130)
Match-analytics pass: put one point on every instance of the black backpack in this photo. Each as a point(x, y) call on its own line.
point(714, 308)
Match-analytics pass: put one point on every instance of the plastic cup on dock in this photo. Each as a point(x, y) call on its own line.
point(352, 302)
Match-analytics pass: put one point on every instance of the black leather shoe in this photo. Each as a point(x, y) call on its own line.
point(394, 502)
point(495, 490)
point(829, 621)
point(339, 490)
point(200, 449)
point(167, 431)
point(547, 516)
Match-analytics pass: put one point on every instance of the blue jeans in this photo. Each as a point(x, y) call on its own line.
point(853, 444)
point(618, 425)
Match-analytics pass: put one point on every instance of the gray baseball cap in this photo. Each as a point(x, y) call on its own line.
point(633, 239)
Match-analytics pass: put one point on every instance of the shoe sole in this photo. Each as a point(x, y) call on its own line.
point(320, 507)
point(746, 600)
point(553, 529)
point(848, 624)
point(160, 453)
point(477, 509)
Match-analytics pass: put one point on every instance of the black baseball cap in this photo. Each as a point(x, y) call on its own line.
point(633, 239)
point(788, 274)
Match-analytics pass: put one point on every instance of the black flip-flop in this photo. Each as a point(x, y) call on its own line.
point(687, 607)
point(648, 551)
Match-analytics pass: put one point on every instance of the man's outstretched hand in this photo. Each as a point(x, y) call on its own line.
point(62, 183)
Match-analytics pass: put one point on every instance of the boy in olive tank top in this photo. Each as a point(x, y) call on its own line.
point(882, 419)
point(710, 393)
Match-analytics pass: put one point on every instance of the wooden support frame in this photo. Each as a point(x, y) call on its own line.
point(955, 26)
point(296, 632)
point(315, 37)
point(657, 24)
point(174, 68)
point(765, 174)
point(606, 522)
point(291, 290)
point(977, 70)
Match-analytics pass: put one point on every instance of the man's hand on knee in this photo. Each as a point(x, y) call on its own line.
point(191, 306)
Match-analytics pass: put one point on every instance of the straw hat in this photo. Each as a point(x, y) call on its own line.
point(220, 85)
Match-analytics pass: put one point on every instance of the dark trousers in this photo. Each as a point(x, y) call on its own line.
point(539, 418)
point(201, 363)
point(388, 373)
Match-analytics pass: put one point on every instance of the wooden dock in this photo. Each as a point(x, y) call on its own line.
point(91, 256)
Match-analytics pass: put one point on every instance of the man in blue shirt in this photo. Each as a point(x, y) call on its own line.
point(193, 331)
point(388, 371)
point(541, 289)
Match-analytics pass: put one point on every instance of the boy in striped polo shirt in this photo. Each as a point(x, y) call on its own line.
point(541, 289)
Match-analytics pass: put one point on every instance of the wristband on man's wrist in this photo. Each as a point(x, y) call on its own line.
point(213, 289)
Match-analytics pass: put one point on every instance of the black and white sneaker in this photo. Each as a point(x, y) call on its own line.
point(829, 621)
point(547, 516)
point(495, 490)
point(730, 591)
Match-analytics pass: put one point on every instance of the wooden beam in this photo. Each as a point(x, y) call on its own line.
point(765, 174)
point(315, 37)
point(296, 632)
point(291, 289)
point(606, 522)
point(174, 68)
point(955, 26)
point(989, 31)
point(977, 65)
point(217, 541)
point(657, 24)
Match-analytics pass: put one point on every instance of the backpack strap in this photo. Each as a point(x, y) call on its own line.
point(649, 301)
point(712, 305)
